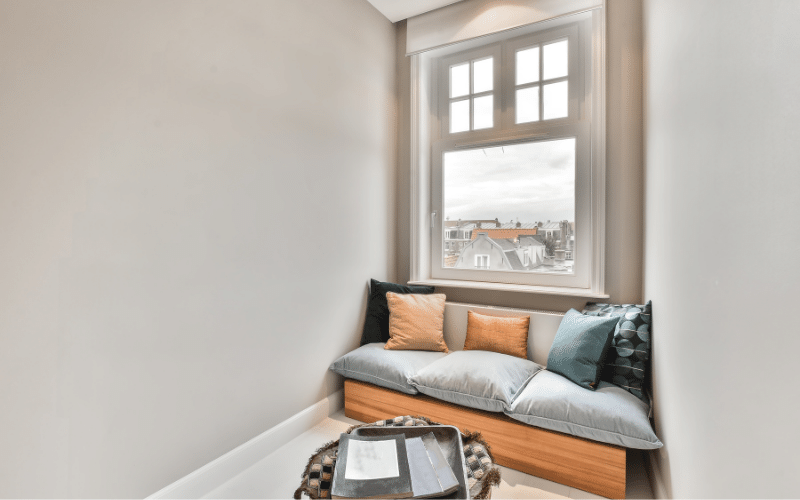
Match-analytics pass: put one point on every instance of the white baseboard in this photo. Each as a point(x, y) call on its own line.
point(215, 473)
point(656, 479)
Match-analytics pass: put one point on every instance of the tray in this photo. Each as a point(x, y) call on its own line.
point(449, 439)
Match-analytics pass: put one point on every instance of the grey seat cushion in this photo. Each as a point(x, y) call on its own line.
point(478, 379)
point(391, 369)
point(609, 414)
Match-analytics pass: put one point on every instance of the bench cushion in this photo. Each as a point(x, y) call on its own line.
point(609, 414)
point(477, 379)
point(391, 369)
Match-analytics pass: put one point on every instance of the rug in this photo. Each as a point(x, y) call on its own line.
point(482, 474)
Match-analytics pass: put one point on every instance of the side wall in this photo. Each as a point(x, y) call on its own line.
point(193, 196)
point(722, 240)
point(624, 177)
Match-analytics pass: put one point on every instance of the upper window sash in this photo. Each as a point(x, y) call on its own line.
point(504, 88)
point(448, 102)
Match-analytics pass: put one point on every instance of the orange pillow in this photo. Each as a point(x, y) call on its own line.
point(416, 322)
point(503, 334)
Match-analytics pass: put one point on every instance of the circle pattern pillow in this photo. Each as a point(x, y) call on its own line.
point(627, 363)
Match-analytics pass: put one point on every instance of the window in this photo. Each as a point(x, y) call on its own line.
point(515, 150)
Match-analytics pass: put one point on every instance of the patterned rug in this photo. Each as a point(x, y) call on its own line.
point(481, 471)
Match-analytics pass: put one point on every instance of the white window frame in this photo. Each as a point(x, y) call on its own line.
point(430, 137)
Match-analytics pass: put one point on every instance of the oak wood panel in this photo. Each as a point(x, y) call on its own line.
point(588, 465)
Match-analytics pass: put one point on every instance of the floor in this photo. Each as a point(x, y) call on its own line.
point(278, 475)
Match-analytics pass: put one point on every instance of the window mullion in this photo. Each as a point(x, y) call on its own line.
point(541, 83)
point(471, 96)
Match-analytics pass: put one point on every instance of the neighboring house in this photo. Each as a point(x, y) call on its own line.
point(511, 230)
point(456, 235)
point(550, 229)
point(522, 254)
point(533, 250)
point(483, 253)
point(563, 232)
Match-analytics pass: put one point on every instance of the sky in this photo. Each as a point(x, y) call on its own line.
point(531, 182)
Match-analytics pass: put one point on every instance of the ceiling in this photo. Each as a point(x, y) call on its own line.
point(397, 10)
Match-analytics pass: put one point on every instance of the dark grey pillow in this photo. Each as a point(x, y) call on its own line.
point(376, 323)
point(580, 347)
point(627, 363)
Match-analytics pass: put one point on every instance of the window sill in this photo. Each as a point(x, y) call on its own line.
point(506, 287)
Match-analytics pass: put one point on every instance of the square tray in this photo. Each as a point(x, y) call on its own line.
point(449, 439)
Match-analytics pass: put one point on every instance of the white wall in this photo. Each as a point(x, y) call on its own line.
point(624, 171)
point(722, 240)
point(193, 196)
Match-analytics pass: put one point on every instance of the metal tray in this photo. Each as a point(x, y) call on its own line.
point(449, 439)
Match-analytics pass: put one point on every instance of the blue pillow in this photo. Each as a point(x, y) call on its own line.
point(580, 347)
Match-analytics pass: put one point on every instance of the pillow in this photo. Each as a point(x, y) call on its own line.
point(610, 414)
point(376, 323)
point(416, 322)
point(477, 379)
point(580, 347)
point(391, 369)
point(503, 334)
point(628, 359)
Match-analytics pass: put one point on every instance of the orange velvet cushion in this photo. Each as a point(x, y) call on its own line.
point(503, 334)
point(416, 322)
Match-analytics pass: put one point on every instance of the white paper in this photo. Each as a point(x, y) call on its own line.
point(371, 460)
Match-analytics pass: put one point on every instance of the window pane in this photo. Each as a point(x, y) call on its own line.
point(459, 116)
point(528, 66)
point(459, 80)
point(528, 105)
point(512, 204)
point(556, 100)
point(482, 74)
point(555, 60)
point(484, 112)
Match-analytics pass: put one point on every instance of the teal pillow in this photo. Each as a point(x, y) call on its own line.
point(580, 347)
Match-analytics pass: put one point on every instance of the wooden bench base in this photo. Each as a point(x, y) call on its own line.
point(588, 465)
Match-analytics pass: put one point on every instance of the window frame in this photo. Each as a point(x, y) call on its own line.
point(429, 139)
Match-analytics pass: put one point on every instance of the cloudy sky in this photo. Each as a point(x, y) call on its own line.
point(533, 182)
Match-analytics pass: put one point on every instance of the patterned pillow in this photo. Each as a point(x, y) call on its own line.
point(627, 363)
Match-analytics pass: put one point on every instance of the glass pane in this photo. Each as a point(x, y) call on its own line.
point(555, 60)
point(528, 66)
point(528, 105)
point(510, 208)
point(556, 100)
point(482, 75)
point(459, 80)
point(459, 116)
point(484, 112)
